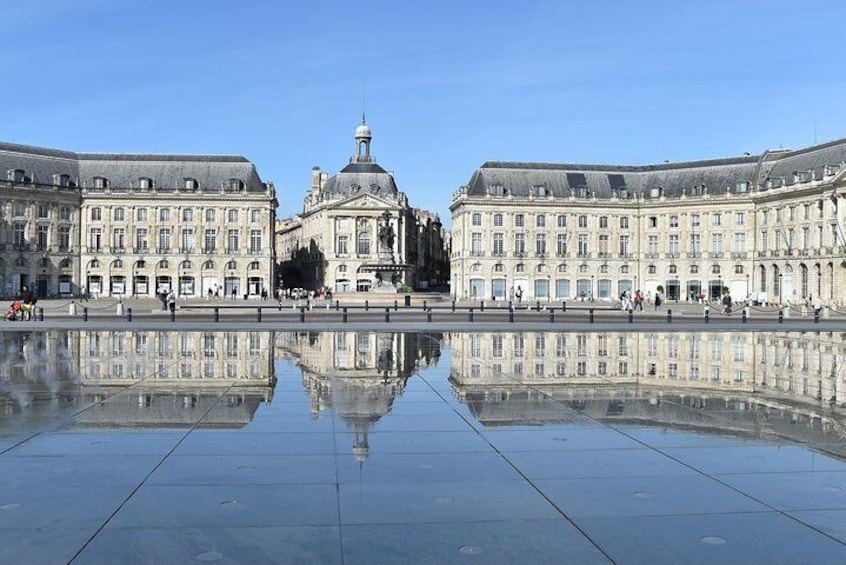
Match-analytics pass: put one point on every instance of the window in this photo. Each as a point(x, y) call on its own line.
point(141, 240)
point(562, 221)
point(519, 220)
point(255, 241)
point(43, 210)
point(145, 183)
point(716, 219)
point(210, 215)
point(363, 243)
point(673, 247)
point(164, 215)
point(95, 239)
point(100, 182)
point(191, 184)
point(209, 240)
point(233, 241)
point(583, 245)
point(497, 220)
point(624, 245)
point(498, 244)
point(540, 245)
point(695, 220)
point(603, 222)
point(674, 221)
point(235, 185)
point(42, 238)
point(739, 219)
point(520, 244)
point(652, 244)
point(477, 219)
point(64, 238)
point(96, 214)
point(476, 243)
point(583, 221)
point(716, 243)
point(651, 269)
point(65, 213)
point(186, 240)
point(118, 239)
point(141, 215)
point(652, 222)
point(188, 215)
point(255, 216)
point(624, 222)
point(561, 244)
point(672, 269)
point(232, 215)
point(164, 239)
point(540, 221)
point(738, 269)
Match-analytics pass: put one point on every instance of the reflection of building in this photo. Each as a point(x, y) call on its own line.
point(132, 225)
point(738, 382)
point(359, 374)
point(138, 378)
point(357, 232)
point(769, 223)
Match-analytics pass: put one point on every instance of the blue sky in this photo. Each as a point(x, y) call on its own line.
point(449, 85)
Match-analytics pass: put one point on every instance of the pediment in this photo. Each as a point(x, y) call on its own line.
point(366, 202)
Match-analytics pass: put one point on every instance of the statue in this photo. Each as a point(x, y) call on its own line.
point(386, 236)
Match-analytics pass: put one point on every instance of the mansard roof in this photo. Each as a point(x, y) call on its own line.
point(358, 177)
point(123, 170)
point(603, 181)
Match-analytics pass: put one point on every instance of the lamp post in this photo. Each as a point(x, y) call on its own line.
point(780, 286)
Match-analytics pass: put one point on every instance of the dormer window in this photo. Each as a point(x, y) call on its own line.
point(742, 187)
point(191, 184)
point(236, 185)
point(62, 180)
point(498, 190)
point(17, 176)
point(541, 191)
point(145, 183)
point(100, 182)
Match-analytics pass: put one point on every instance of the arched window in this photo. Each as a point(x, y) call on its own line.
point(363, 243)
point(232, 265)
point(208, 265)
point(163, 264)
point(715, 270)
point(186, 265)
point(651, 269)
point(254, 266)
point(145, 183)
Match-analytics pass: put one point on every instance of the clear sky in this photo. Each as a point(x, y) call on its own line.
point(449, 85)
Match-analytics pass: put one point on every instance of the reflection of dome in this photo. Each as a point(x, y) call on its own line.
point(363, 131)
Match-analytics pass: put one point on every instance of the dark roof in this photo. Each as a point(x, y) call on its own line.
point(360, 177)
point(123, 170)
point(713, 175)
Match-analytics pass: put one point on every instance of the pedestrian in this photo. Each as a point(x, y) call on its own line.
point(638, 300)
point(519, 295)
point(817, 306)
point(657, 300)
point(171, 301)
point(805, 307)
point(234, 292)
point(727, 304)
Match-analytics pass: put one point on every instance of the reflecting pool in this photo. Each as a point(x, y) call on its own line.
point(367, 447)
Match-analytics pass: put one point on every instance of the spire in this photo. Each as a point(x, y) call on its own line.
point(362, 141)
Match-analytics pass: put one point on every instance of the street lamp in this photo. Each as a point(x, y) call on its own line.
point(780, 286)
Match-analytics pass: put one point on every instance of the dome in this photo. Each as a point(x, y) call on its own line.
point(362, 131)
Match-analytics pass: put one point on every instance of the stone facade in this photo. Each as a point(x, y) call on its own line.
point(770, 224)
point(358, 233)
point(134, 225)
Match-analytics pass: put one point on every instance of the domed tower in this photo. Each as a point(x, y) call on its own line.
point(362, 142)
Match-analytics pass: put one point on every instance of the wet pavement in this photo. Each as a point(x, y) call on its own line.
point(362, 447)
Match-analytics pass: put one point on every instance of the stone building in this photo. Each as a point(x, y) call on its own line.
point(770, 224)
point(134, 224)
point(357, 232)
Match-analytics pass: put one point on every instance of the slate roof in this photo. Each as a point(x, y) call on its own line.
point(360, 177)
point(715, 175)
point(212, 172)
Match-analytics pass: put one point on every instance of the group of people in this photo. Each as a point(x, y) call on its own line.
point(811, 301)
point(22, 306)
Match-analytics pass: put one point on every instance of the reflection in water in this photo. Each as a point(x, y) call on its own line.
point(138, 378)
point(764, 384)
point(359, 374)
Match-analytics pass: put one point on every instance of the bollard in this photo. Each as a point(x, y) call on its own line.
point(387, 315)
point(258, 315)
point(302, 313)
point(631, 316)
point(453, 305)
point(552, 315)
point(366, 305)
point(564, 306)
point(590, 316)
point(510, 313)
point(816, 315)
point(429, 315)
point(41, 314)
point(470, 315)
point(424, 306)
point(707, 317)
point(669, 316)
point(396, 306)
point(129, 314)
point(85, 313)
point(781, 316)
point(216, 314)
point(743, 316)
point(537, 305)
point(481, 306)
point(173, 314)
point(280, 305)
point(337, 305)
point(344, 315)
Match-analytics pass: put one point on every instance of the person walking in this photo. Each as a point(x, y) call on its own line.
point(171, 301)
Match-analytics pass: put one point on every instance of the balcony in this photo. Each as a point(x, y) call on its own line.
point(603, 254)
point(141, 249)
point(694, 254)
point(186, 249)
point(652, 255)
point(255, 251)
